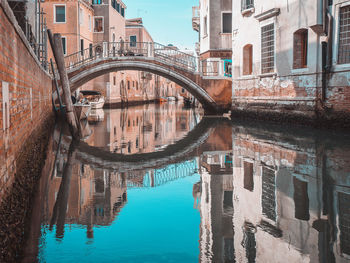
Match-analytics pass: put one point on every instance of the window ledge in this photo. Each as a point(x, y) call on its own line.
point(299, 70)
point(268, 75)
point(248, 11)
point(269, 13)
point(246, 77)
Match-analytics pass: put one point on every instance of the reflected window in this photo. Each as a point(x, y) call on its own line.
point(99, 185)
point(249, 242)
point(228, 199)
point(344, 222)
point(268, 196)
point(301, 200)
point(248, 176)
point(229, 250)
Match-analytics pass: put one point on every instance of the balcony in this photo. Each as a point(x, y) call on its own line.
point(195, 18)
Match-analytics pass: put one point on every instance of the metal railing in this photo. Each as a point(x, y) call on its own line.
point(166, 54)
point(195, 12)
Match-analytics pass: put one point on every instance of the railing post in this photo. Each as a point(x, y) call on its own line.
point(198, 65)
point(150, 50)
point(105, 49)
point(221, 68)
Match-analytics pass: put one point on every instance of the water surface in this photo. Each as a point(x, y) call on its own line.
point(162, 184)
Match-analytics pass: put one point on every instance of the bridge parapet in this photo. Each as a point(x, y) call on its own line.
point(167, 54)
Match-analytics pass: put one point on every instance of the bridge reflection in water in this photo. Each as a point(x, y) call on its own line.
point(247, 192)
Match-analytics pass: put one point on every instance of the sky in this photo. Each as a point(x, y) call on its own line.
point(168, 21)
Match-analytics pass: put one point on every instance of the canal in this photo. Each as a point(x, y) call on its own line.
point(160, 183)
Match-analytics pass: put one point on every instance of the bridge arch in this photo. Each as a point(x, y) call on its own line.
point(94, 69)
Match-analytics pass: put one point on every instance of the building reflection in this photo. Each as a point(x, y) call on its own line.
point(275, 195)
point(145, 128)
point(291, 197)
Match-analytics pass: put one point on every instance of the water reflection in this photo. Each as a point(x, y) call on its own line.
point(142, 129)
point(223, 193)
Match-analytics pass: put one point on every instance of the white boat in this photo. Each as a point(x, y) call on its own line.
point(95, 98)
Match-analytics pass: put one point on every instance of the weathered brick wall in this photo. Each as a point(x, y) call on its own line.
point(29, 93)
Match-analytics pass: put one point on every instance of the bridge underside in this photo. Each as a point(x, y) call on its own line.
point(214, 95)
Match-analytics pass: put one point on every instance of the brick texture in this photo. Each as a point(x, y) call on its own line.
point(21, 70)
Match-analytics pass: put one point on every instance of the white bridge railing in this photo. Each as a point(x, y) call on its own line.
point(167, 54)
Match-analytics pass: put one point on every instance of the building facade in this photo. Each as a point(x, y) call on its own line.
point(291, 58)
point(213, 21)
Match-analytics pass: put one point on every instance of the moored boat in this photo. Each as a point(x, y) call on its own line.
point(95, 98)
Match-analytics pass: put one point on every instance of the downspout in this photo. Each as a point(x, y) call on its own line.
point(327, 50)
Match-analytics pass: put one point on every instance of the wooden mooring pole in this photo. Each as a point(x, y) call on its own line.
point(57, 50)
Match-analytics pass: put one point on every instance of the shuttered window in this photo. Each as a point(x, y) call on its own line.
point(268, 48)
point(344, 35)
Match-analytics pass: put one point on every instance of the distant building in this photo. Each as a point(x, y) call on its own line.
point(213, 21)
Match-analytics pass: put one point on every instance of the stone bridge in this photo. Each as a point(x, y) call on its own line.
point(214, 93)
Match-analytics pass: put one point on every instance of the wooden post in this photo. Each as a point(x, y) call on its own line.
point(57, 50)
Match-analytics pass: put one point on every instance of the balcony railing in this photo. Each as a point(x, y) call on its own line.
point(195, 12)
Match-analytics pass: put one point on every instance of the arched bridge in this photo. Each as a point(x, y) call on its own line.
point(182, 68)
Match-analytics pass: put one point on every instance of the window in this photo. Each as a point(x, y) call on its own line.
point(114, 80)
point(226, 22)
point(98, 26)
point(118, 7)
point(268, 196)
point(344, 35)
point(137, 85)
point(114, 3)
point(96, 2)
point(268, 48)
point(128, 84)
point(301, 200)
point(247, 59)
point(205, 28)
point(64, 45)
point(247, 4)
point(248, 176)
point(344, 219)
point(82, 47)
point(133, 41)
point(81, 16)
point(89, 23)
point(60, 14)
point(123, 12)
point(300, 49)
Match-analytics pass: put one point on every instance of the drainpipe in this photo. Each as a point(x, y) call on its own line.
point(327, 49)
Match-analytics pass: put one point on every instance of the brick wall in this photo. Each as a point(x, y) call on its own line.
point(28, 88)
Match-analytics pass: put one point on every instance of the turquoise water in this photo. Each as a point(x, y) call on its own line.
point(156, 225)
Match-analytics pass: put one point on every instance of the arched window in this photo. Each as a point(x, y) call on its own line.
point(300, 48)
point(247, 59)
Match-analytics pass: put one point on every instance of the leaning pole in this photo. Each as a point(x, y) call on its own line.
point(57, 50)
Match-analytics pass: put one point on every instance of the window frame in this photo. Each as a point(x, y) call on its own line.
point(132, 42)
point(205, 27)
point(222, 22)
point(267, 23)
point(54, 13)
point(245, 7)
point(305, 48)
point(250, 46)
point(103, 26)
point(64, 48)
point(347, 63)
